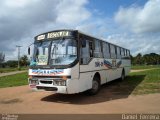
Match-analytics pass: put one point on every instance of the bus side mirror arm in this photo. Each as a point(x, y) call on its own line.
point(29, 50)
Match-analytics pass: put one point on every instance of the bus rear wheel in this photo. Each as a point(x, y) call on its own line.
point(95, 86)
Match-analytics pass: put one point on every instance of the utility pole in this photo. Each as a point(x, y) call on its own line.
point(18, 55)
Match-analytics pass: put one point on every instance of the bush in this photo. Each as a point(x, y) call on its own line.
point(12, 63)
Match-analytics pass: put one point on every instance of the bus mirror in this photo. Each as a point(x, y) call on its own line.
point(29, 50)
point(37, 52)
point(83, 42)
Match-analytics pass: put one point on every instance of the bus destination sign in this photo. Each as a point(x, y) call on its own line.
point(54, 35)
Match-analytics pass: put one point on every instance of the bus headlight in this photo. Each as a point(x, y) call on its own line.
point(60, 83)
point(34, 81)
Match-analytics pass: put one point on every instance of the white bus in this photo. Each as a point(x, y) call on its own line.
point(69, 61)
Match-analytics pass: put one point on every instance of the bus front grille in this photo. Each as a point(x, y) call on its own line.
point(47, 88)
point(46, 82)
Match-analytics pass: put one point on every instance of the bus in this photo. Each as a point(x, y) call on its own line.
point(69, 61)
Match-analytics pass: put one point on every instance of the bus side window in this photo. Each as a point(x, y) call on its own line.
point(122, 52)
point(106, 52)
point(125, 52)
point(128, 54)
point(97, 50)
point(91, 48)
point(113, 51)
point(118, 52)
point(85, 53)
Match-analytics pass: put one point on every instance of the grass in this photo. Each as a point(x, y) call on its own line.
point(5, 70)
point(138, 83)
point(149, 84)
point(137, 67)
point(14, 80)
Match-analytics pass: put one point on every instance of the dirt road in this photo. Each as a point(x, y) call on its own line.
point(141, 70)
point(23, 100)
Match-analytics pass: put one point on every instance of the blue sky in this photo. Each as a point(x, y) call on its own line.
point(133, 24)
point(109, 7)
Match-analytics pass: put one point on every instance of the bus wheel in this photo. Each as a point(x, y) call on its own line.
point(95, 86)
point(123, 75)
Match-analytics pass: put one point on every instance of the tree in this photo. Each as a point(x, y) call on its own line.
point(132, 60)
point(2, 57)
point(154, 58)
point(12, 63)
point(151, 59)
point(24, 60)
point(147, 59)
point(138, 59)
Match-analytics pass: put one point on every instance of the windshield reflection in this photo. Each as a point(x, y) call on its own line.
point(63, 52)
point(56, 52)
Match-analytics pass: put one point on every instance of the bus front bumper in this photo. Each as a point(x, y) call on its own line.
point(36, 85)
point(56, 89)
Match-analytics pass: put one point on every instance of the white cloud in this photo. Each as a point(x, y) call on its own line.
point(136, 43)
point(95, 26)
point(16, 3)
point(141, 26)
point(140, 19)
point(72, 12)
point(21, 20)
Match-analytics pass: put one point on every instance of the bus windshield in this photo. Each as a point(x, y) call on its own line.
point(55, 52)
point(63, 52)
point(41, 53)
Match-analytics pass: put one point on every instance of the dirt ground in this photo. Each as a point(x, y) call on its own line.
point(140, 70)
point(23, 100)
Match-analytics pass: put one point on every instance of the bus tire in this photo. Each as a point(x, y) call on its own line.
point(122, 75)
point(95, 86)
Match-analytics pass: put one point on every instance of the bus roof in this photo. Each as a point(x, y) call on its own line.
point(100, 39)
point(83, 34)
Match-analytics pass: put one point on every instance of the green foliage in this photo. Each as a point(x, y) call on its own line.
point(24, 61)
point(14, 80)
point(12, 63)
point(2, 65)
point(147, 59)
point(2, 57)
